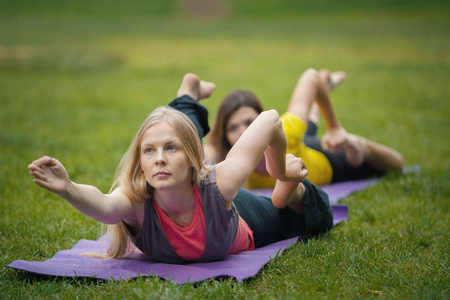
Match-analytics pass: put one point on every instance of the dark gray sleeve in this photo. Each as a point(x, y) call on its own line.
point(196, 112)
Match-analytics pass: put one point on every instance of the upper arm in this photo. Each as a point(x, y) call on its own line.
point(118, 208)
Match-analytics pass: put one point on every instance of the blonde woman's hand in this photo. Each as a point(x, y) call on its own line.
point(50, 174)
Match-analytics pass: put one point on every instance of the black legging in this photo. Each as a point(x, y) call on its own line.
point(342, 170)
point(270, 224)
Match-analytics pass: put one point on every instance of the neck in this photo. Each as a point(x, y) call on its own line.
point(178, 204)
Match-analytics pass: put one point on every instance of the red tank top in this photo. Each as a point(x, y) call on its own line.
point(189, 241)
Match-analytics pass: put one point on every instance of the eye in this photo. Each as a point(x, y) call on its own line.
point(248, 122)
point(149, 150)
point(232, 128)
point(172, 148)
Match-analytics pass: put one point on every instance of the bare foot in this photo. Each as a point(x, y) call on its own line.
point(289, 193)
point(195, 88)
point(332, 79)
point(336, 78)
point(354, 150)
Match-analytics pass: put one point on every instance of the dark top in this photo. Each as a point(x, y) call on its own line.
point(221, 227)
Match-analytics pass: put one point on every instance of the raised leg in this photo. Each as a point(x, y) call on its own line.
point(310, 87)
point(331, 80)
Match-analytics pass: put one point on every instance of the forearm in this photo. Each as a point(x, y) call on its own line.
point(90, 201)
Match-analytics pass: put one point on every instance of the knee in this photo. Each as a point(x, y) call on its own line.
point(324, 73)
point(310, 75)
point(310, 72)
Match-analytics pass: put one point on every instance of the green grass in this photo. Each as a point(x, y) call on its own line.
point(77, 80)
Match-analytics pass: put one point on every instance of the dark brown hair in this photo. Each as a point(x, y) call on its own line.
point(232, 102)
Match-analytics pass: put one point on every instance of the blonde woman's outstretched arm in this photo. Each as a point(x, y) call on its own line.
point(51, 175)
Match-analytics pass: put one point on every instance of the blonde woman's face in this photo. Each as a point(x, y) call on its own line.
point(163, 158)
point(239, 122)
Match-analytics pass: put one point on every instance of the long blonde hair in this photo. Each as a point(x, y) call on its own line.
point(131, 179)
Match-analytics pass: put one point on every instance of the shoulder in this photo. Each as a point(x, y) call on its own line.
point(133, 211)
point(119, 193)
point(209, 179)
point(210, 192)
point(121, 202)
point(213, 188)
point(208, 187)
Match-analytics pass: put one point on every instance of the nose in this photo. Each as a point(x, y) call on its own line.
point(160, 158)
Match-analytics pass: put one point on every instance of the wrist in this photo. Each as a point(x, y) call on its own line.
point(68, 191)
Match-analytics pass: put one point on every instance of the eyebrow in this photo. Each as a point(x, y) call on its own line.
point(146, 145)
point(173, 141)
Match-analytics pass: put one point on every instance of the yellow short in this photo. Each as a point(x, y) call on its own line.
point(320, 171)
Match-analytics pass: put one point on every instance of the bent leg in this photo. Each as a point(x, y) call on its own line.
point(191, 91)
point(310, 88)
point(331, 80)
point(261, 216)
point(305, 93)
point(270, 225)
point(195, 88)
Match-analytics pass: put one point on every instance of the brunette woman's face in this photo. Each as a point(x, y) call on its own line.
point(238, 122)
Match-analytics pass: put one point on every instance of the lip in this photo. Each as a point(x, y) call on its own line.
point(161, 174)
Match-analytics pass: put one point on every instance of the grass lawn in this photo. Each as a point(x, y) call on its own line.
point(77, 80)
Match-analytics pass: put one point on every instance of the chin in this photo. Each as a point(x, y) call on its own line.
point(160, 186)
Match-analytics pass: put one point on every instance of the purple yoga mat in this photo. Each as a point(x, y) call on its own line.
point(240, 266)
point(71, 264)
